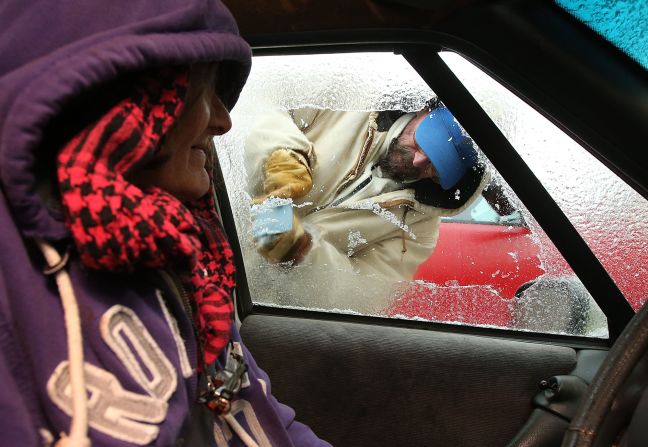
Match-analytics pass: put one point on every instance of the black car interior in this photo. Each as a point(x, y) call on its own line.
point(370, 381)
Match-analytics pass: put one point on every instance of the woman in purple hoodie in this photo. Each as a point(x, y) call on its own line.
point(116, 278)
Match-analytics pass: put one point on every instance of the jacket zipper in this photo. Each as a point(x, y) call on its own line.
point(404, 249)
point(397, 202)
point(361, 160)
point(336, 202)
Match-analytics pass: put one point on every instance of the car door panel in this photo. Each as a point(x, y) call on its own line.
point(361, 384)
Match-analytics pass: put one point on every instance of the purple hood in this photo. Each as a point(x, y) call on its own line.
point(39, 77)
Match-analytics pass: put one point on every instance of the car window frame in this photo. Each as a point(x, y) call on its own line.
point(419, 55)
point(527, 187)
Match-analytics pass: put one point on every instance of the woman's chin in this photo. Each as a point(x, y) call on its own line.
point(202, 187)
point(198, 187)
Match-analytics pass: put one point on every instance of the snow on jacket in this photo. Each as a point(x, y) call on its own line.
point(138, 342)
point(360, 222)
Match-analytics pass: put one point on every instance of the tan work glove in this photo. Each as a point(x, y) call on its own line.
point(287, 175)
point(290, 246)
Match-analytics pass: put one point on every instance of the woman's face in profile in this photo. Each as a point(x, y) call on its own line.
point(180, 166)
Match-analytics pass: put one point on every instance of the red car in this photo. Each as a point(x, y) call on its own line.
point(482, 264)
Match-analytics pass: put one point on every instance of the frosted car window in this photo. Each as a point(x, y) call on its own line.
point(481, 211)
point(609, 214)
point(354, 81)
point(298, 163)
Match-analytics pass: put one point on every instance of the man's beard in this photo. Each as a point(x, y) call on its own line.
point(398, 163)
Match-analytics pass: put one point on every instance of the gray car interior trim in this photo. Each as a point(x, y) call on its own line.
point(368, 385)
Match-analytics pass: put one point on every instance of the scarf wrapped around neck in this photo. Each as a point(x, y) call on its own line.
point(116, 226)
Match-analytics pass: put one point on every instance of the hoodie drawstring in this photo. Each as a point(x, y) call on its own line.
point(221, 387)
point(239, 430)
point(78, 436)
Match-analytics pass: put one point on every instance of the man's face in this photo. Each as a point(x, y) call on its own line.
point(405, 161)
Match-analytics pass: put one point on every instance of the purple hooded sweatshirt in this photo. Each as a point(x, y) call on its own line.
point(138, 343)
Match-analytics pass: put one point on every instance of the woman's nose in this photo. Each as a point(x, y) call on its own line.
point(219, 119)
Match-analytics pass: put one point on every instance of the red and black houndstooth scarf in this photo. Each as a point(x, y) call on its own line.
point(117, 226)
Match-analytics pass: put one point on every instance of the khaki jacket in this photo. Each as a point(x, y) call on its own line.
point(358, 221)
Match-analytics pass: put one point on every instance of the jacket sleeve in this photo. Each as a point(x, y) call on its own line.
point(300, 435)
point(278, 129)
point(17, 400)
point(16, 424)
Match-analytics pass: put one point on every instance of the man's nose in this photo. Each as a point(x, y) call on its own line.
point(219, 118)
